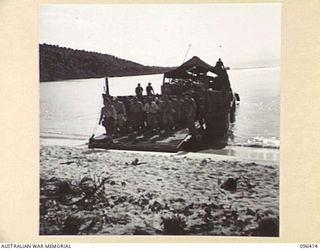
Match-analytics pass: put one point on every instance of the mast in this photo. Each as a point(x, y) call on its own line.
point(107, 86)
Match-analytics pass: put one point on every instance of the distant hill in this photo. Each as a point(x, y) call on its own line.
point(59, 63)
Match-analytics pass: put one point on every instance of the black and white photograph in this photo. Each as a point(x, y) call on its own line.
point(159, 119)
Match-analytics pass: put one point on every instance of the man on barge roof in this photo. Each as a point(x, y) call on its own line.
point(219, 64)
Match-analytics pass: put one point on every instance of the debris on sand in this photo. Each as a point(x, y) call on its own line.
point(230, 185)
point(136, 162)
point(268, 227)
point(169, 195)
point(173, 225)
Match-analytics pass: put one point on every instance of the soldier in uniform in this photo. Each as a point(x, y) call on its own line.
point(139, 91)
point(149, 90)
point(177, 111)
point(159, 102)
point(137, 114)
point(154, 110)
point(146, 109)
point(167, 114)
point(108, 116)
point(121, 116)
point(190, 108)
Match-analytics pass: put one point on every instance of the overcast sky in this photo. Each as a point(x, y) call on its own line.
point(241, 34)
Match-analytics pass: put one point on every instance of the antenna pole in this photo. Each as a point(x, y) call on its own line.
point(187, 53)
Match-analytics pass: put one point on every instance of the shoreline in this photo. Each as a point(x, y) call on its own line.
point(234, 153)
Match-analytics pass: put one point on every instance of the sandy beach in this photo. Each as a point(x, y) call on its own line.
point(85, 191)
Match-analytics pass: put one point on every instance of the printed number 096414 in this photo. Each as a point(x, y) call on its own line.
point(308, 245)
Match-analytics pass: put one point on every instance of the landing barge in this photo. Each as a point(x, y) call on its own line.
point(211, 90)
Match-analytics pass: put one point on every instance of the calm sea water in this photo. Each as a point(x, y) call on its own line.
point(69, 110)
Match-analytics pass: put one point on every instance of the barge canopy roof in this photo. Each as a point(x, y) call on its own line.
point(193, 66)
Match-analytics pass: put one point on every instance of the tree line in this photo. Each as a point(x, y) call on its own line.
point(60, 63)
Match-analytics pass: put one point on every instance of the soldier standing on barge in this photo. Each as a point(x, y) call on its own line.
point(108, 116)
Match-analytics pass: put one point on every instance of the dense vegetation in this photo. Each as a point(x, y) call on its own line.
point(59, 63)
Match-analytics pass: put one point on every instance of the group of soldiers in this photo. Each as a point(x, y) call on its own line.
point(178, 107)
point(152, 112)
